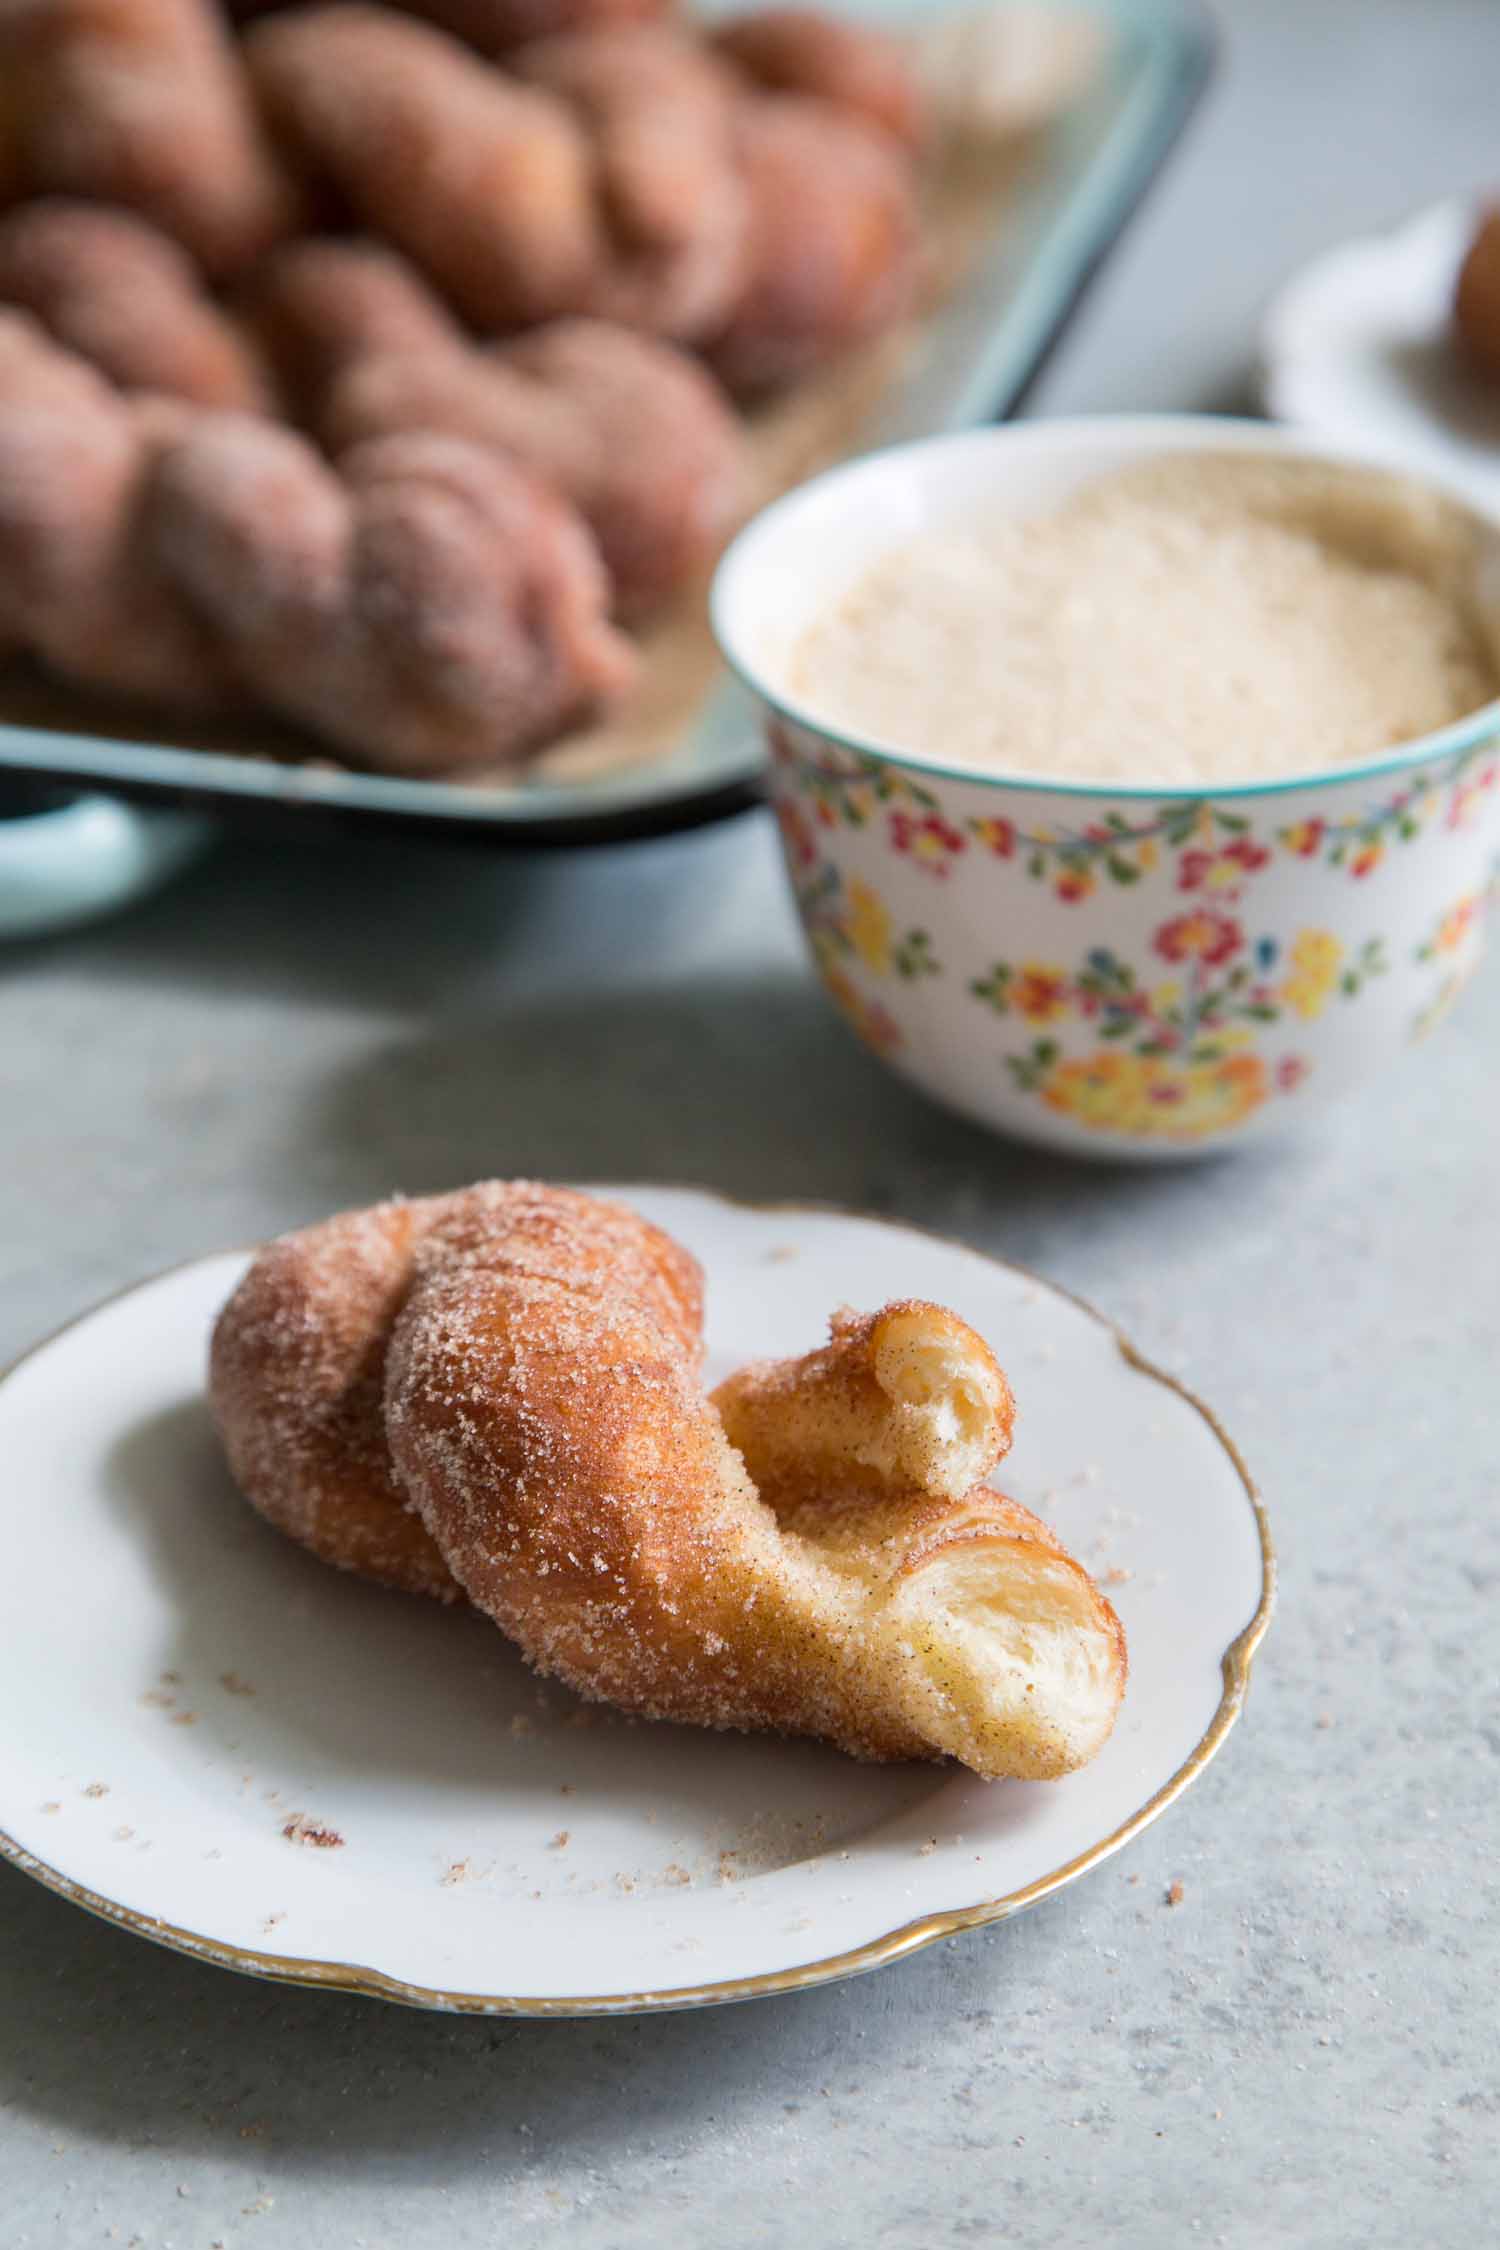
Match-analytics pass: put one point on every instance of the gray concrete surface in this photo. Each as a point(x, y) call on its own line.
point(1304, 2051)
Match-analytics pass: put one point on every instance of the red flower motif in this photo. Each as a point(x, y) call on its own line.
point(999, 836)
point(1303, 837)
point(1290, 1072)
point(1367, 859)
point(1073, 884)
point(1223, 870)
point(930, 840)
point(1200, 936)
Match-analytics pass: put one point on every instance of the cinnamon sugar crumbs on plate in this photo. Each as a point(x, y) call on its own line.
point(457, 1871)
point(95, 1789)
point(1175, 1891)
point(676, 1874)
point(185, 1719)
point(52, 1806)
point(232, 1684)
point(559, 1842)
point(303, 1829)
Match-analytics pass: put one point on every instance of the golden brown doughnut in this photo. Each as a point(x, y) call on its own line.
point(142, 103)
point(907, 1397)
point(297, 1360)
point(321, 305)
point(638, 436)
point(855, 66)
point(548, 1424)
point(127, 298)
point(833, 241)
point(483, 183)
point(76, 588)
point(429, 607)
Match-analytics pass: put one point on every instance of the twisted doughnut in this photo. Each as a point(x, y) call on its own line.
point(141, 103)
point(297, 1359)
point(660, 111)
point(322, 305)
point(630, 173)
point(637, 435)
point(76, 588)
point(429, 607)
point(545, 1416)
point(484, 183)
point(520, 1366)
point(127, 298)
point(854, 66)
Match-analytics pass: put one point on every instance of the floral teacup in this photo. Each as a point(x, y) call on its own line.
point(1123, 971)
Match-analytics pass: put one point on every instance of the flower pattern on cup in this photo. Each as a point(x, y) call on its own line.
point(1192, 1019)
point(1359, 844)
point(1147, 1097)
point(1182, 1063)
point(926, 838)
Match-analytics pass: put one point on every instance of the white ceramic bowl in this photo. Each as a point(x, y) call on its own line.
point(1115, 971)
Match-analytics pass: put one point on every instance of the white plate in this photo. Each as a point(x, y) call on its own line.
point(182, 1684)
point(1357, 348)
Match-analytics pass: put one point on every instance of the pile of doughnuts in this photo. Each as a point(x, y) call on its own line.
point(497, 1395)
point(376, 366)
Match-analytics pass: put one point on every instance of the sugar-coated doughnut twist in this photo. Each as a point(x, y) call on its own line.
point(832, 258)
point(297, 1360)
point(660, 110)
point(76, 590)
point(323, 305)
point(638, 436)
point(549, 1426)
point(429, 607)
point(123, 294)
point(909, 1397)
point(483, 182)
point(855, 66)
point(142, 103)
point(635, 174)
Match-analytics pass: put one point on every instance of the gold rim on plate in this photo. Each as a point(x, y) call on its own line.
point(875, 1953)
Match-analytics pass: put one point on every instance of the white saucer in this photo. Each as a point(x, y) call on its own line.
point(1357, 348)
point(217, 1742)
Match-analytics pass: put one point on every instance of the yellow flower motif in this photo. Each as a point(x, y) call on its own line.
point(1039, 992)
point(1152, 1097)
point(1146, 854)
point(1457, 924)
point(868, 926)
point(1316, 960)
point(1166, 997)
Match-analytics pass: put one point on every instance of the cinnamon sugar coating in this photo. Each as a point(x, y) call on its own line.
point(506, 1382)
point(638, 436)
point(121, 293)
point(142, 103)
point(297, 1361)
